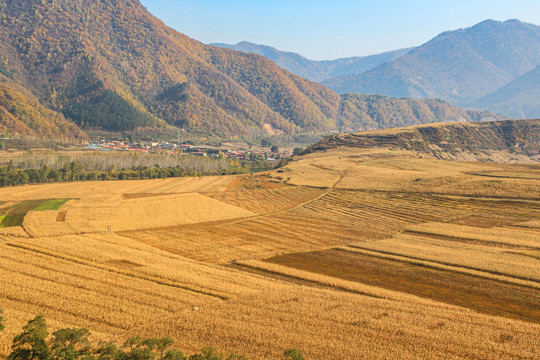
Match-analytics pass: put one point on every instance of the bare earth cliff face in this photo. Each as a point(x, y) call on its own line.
point(502, 141)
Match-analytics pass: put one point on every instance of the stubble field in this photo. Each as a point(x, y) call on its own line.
point(347, 254)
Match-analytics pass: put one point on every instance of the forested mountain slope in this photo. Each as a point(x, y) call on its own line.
point(113, 55)
point(111, 65)
point(520, 98)
point(21, 114)
point(364, 112)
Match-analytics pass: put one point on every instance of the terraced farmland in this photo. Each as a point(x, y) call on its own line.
point(358, 252)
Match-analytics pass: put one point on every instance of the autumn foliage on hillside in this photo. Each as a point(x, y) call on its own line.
point(77, 52)
point(366, 112)
point(112, 65)
point(23, 115)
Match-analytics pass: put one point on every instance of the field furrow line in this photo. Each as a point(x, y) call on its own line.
point(132, 295)
point(482, 273)
point(82, 275)
point(140, 276)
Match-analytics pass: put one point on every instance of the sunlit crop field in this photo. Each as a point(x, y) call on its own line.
point(364, 253)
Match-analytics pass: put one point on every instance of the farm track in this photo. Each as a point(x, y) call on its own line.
point(325, 192)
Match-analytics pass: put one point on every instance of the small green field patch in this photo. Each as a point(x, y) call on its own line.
point(12, 220)
point(53, 204)
point(14, 215)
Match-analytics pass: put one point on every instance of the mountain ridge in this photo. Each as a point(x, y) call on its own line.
point(519, 98)
point(459, 66)
point(316, 70)
point(112, 65)
point(74, 54)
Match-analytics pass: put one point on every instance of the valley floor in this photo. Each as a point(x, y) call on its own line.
point(346, 254)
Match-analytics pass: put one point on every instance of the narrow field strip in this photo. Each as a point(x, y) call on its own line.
point(479, 272)
point(533, 224)
point(315, 279)
point(53, 204)
point(480, 294)
point(514, 237)
point(512, 263)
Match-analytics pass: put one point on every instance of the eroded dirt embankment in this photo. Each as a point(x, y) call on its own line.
point(509, 141)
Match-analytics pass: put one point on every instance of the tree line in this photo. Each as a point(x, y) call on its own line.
point(73, 171)
point(118, 166)
point(35, 343)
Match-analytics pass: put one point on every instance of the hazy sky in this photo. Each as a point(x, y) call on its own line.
point(329, 29)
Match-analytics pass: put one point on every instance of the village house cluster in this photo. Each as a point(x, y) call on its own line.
point(186, 149)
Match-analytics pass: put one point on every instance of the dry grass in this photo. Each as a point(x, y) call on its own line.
point(12, 232)
point(101, 213)
point(513, 237)
point(134, 257)
point(255, 238)
point(328, 324)
point(106, 213)
point(386, 170)
point(79, 293)
point(268, 201)
point(81, 190)
point(444, 285)
point(469, 256)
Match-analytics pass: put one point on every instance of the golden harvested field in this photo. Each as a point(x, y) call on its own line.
point(364, 253)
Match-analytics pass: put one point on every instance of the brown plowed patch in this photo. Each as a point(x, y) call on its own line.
point(483, 222)
point(61, 216)
point(483, 295)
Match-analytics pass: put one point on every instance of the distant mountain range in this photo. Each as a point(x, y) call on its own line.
point(489, 66)
point(111, 65)
point(468, 67)
point(520, 98)
point(317, 70)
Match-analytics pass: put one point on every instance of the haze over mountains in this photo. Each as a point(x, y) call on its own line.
point(489, 66)
point(462, 66)
point(317, 70)
point(519, 98)
point(112, 65)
